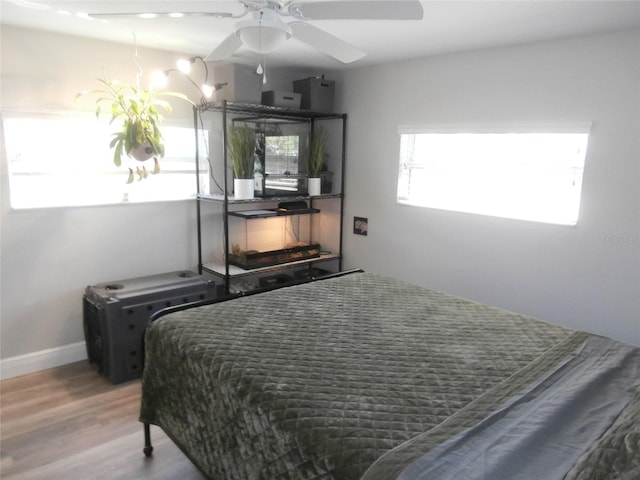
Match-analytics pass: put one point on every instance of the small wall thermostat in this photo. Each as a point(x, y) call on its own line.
point(360, 225)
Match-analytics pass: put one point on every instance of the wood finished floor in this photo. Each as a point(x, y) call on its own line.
point(71, 423)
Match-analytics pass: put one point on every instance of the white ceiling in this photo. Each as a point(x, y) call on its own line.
point(448, 26)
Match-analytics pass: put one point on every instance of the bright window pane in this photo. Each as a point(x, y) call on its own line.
point(527, 176)
point(65, 160)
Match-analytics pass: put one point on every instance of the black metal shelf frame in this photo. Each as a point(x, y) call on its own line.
point(225, 108)
point(272, 212)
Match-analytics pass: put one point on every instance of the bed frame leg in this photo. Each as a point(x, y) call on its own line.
point(148, 449)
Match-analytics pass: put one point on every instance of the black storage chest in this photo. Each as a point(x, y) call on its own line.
point(115, 315)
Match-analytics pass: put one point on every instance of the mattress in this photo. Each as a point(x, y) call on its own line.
point(367, 377)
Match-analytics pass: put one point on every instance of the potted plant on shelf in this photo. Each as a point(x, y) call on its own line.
point(242, 145)
point(139, 111)
point(317, 144)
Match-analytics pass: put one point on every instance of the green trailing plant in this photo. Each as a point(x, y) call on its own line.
point(139, 111)
point(317, 146)
point(242, 146)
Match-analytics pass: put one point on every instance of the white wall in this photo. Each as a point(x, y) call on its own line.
point(586, 277)
point(48, 256)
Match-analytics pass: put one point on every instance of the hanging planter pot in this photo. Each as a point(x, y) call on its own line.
point(142, 152)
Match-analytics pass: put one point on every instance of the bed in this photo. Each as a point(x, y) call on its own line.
point(365, 377)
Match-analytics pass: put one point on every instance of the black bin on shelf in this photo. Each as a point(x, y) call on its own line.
point(115, 315)
point(275, 280)
point(311, 273)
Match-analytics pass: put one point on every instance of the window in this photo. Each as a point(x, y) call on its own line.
point(282, 154)
point(64, 160)
point(534, 174)
point(281, 162)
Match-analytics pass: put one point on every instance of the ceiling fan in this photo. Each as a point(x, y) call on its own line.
point(267, 30)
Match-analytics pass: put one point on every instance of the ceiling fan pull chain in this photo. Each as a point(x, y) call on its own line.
point(260, 70)
point(260, 32)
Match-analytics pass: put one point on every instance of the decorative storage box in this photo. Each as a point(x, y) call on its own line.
point(317, 93)
point(242, 83)
point(115, 315)
point(275, 98)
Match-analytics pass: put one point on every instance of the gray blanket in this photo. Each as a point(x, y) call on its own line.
point(346, 378)
point(541, 431)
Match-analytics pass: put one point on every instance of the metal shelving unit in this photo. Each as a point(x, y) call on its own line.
point(262, 207)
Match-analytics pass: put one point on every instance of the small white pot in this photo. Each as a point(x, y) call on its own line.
point(243, 188)
point(314, 186)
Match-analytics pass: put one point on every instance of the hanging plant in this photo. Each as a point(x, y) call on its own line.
point(139, 111)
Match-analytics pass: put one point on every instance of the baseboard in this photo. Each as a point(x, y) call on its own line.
point(36, 361)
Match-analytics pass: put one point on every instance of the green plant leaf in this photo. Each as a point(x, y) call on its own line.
point(142, 173)
point(117, 153)
point(130, 137)
point(317, 145)
point(179, 95)
point(117, 137)
point(135, 106)
point(156, 145)
point(242, 145)
point(163, 104)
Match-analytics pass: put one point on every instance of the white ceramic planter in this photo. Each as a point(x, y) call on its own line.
point(243, 188)
point(314, 186)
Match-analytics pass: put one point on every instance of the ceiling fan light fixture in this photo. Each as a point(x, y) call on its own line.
point(263, 35)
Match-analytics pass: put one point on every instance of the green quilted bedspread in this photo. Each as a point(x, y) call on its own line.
point(323, 380)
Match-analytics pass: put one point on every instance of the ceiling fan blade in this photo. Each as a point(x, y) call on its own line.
point(227, 48)
point(358, 10)
point(184, 8)
point(325, 42)
point(160, 14)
